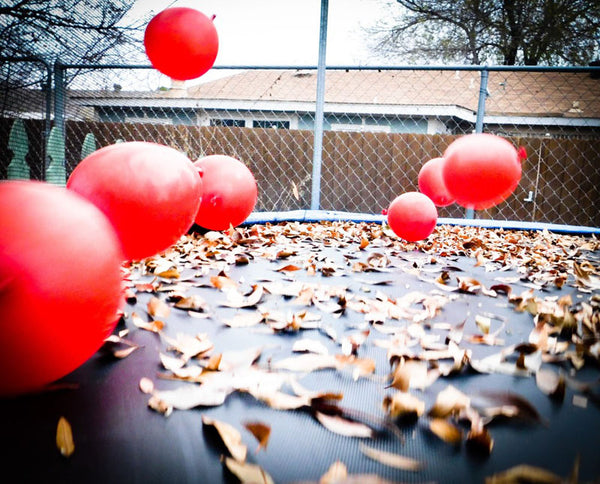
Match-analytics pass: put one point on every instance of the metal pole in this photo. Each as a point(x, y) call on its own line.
point(483, 89)
point(315, 201)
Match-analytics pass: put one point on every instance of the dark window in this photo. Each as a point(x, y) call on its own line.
point(232, 123)
point(265, 123)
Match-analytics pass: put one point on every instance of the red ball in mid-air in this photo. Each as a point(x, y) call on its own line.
point(181, 42)
point(412, 216)
point(229, 192)
point(481, 170)
point(60, 283)
point(150, 193)
point(431, 183)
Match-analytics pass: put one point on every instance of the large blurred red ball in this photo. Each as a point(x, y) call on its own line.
point(412, 216)
point(181, 42)
point(60, 283)
point(431, 183)
point(481, 170)
point(229, 195)
point(150, 192)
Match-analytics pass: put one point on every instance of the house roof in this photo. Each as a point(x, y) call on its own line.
point(511, 93)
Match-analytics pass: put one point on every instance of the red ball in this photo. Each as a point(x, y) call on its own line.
point(150, 193)
point(412, 216)
point(181, 42)
point(481, 170)
point(230, 192)
point(431, 183)
point(60, 283)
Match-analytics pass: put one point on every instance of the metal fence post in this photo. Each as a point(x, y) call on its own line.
point(315, 200)
point(483, 92)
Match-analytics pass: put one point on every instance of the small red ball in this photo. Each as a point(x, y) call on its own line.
point(181, 42)
point(431, 183)
point(229, 194)
point(412, 216)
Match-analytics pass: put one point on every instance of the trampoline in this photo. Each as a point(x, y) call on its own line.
point(312, 328)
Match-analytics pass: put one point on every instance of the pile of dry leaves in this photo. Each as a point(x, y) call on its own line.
point(344, 271)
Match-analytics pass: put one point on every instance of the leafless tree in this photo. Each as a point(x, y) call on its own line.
point(510, 32)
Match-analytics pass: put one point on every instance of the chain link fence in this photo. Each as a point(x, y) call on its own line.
point(380, 125)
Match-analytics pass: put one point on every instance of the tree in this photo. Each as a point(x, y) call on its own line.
point(510, 32)
point(71, 31)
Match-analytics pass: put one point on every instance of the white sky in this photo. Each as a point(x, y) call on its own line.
point(285, 32)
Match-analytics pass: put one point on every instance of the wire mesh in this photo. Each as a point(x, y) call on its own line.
point(380, 126)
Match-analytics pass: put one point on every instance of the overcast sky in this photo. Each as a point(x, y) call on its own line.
point(284, 32)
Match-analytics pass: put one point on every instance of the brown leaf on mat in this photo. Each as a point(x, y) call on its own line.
point(146, 385)
point(390, 459)
point(192, 303)
point(223, 282)
point(342, 426)
point(157, 308)
point(119, 347)
point(230, 437)
point(190, 396)
point(493, 404)
point(289, 268)
point(446, 430)
point(336, 473)
point(551, 383)
point(449, 401)
point(154, 326)
point(403, 405)
point(261, 432)
point(247, 473)
point(64, 437)
point(524, 473)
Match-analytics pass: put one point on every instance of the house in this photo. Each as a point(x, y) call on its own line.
point(395, 100)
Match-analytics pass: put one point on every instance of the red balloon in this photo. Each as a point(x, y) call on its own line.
point(432, 184)
point(181, 42)
point(60, 283)
point(150, 193)
point(481, 170)
point(230, 192)
point(412, 216)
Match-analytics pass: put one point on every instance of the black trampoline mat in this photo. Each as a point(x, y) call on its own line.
point(316, 280)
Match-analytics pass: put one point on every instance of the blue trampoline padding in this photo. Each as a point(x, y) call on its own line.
point(329, 215)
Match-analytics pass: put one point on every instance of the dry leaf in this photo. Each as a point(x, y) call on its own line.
point(153, 326)
point(146, 385)
point(191, 396)
point(403, 405)
point(157, 308)
point(342, 426)
point(247, 473)
point(223, 282)
point(192, 303)
point(449, 401)
point(261, 432)
point(336, 473)
point(64, 438)
point(551, 383)
point(245, 319)
point(446, 430)
point(230, 437)
point(390, 459)
point(310, 346)
point(524, 473)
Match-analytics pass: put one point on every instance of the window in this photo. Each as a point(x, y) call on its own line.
point(266, 123)
point(231, 123)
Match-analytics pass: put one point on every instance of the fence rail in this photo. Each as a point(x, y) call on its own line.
point(379, 130)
